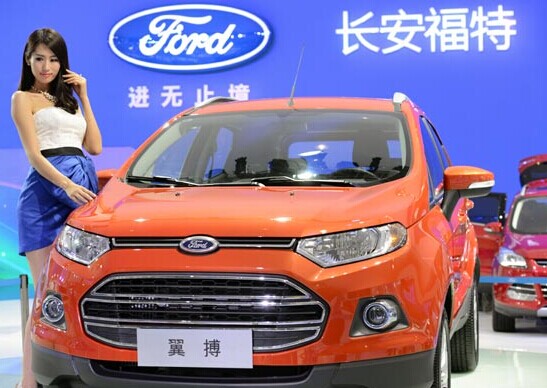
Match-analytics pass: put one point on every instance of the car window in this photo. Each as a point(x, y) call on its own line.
point(534, 172)
point(219, 155)
point(356, 146)
point(530, 216)
point(170, 161)
point(434, 161)
point(438, 142)
point(487, 209)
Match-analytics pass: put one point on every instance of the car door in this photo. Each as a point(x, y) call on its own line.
point(458, 248)
point(488, 218)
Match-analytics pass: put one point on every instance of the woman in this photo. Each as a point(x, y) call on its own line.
point(53, 132)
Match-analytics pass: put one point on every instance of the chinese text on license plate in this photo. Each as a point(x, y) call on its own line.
point(204, 348)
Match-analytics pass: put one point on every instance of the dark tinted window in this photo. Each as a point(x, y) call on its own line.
point(534, 172)
point(434, 161)
point(487, 209)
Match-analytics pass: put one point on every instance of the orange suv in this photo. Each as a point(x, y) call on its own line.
point(308, 242)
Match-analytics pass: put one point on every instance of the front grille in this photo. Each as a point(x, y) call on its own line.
point(281, 313)
point(223, 242)
point(524, 289)
point(541, 262)
point(218, 376)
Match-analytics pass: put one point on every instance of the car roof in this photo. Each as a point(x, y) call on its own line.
point(337, 103)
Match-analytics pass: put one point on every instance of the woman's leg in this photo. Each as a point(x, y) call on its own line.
point(37, 260)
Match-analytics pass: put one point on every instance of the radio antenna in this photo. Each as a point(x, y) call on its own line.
point(291, 102)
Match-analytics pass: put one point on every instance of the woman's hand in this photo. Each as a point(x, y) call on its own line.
point(79, 194)
point(78, 82)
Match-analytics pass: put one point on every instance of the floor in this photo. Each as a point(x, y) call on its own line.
point(507, 360)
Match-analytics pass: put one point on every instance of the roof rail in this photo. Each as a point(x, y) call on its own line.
point(398, 99)
point(209, 101)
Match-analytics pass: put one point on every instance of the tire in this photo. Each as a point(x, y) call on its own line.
point(464, 347)
point(441, 364)
point(485, 301)
point(502, 323)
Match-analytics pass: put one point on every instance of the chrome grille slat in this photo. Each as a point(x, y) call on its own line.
point(523, 288)
point(203, 302)
point(173, 242)
point(204, 323)
point(131, 332)
point(217, 297)
point(270, 305)
point(544, 290)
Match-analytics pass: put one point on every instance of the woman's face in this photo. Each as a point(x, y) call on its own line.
point(44, 65)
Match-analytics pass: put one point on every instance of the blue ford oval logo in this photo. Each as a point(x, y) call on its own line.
point(189, 37)
point(199, 244)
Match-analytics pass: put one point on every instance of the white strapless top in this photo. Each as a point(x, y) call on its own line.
point(56, 128)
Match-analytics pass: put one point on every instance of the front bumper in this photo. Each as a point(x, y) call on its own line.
point(416, 280)
point(412, 371)
point(520, 312)
point(526, 301)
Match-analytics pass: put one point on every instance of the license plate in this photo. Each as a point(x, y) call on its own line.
point(201, 348)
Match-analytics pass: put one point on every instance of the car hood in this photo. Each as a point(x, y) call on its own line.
point(123, 210)
point(528, 245)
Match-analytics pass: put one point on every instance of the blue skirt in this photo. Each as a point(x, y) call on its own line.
point(43, 207)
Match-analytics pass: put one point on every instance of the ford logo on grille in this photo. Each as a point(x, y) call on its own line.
point(199, 244)
point(189, 37)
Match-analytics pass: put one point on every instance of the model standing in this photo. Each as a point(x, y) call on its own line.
point(53, 129)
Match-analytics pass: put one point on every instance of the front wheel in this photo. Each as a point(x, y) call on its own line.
point(441, 364)
point(465, 342)
point(502, 322)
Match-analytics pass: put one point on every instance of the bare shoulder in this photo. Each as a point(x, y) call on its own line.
point(20, 98)
point(18, 95)
point(26, 102)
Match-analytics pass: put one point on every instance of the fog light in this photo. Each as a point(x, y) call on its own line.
point(380, 314)
point(522, 293)
point(53, 309)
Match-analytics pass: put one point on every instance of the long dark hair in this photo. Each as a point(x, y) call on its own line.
point(55, 42)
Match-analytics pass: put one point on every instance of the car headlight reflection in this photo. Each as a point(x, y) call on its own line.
point(356, 245)
point(508, 258)
point(81, 246)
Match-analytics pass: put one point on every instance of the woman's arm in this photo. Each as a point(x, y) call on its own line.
point(92, 140)
point(21, 112)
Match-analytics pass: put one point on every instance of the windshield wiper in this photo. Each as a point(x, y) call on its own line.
point(260, 181)
point(161, 180)
point(288, 181)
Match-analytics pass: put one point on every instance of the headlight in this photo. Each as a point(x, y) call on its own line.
point(80, 246)
point(508, 258)
point(348, 247)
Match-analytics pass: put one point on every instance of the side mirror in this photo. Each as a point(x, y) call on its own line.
point(464, 182)
point(104, 176)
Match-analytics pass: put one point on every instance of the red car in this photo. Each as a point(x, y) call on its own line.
point(523, 255)
point(488, 218)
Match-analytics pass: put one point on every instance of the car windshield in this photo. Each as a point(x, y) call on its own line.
point(289, 147)
point(530, 216)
